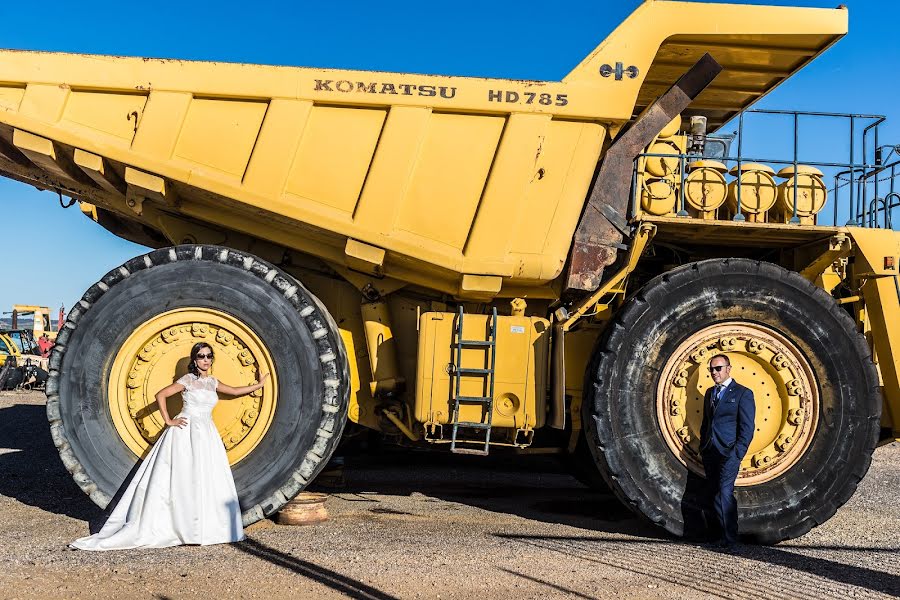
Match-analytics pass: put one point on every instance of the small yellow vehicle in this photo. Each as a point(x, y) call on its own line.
point(8, 348)
point(470, 263)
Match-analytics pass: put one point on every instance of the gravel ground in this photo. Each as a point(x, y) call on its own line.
point(425, 526)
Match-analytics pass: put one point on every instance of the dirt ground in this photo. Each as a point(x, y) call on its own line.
point(416, 525)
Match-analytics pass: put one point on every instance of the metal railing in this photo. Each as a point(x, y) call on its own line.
point(860, 181)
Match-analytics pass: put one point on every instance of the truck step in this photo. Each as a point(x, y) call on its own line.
point(471, 425)
point(467, 371)
point(473, 451)
point(482, 399)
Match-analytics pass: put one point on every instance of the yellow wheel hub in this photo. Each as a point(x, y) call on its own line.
point(786, 394)
point(158, 353)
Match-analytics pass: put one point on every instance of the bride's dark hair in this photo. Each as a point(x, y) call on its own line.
point(192, 367)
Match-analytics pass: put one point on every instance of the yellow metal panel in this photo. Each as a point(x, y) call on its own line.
point(11, 97)
point(544, 194)
point(579, 347)
point(160, 123)
point(881, 291)
point(40, 151)
point(364, 257)
point(31, 144)
point(516, 164)
point(875, 245)
point(334, 156)
point(353, 409)
point(449, 177)
point(146, 184)
point(44, 102)
point(520, 369)
point(759, 46)
point(89, 162)
point(552, 254)
point(93, 166)
point(883, 309)
point(535, 193)
point(279, 137)
point(382, 348)
point(480, 285)
point(88, 210)
point(220, 134)
point(392, 168)
point(115, 115)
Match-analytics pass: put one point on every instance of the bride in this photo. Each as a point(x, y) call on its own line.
point(183, 492)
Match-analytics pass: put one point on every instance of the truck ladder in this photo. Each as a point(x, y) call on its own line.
point(486, 402)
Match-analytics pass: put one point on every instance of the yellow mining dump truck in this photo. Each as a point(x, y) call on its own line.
point(472, 263)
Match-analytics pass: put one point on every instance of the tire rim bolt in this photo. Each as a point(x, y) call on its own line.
point(795, 416)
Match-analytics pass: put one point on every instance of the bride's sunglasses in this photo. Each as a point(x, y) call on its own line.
point(204, 356)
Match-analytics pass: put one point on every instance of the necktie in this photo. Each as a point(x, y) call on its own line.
point(717, 393)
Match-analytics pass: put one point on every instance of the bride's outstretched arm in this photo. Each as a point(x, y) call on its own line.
point(240, 391)
point(161, 396)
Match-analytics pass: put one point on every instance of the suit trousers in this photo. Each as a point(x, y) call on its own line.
point(721, 473)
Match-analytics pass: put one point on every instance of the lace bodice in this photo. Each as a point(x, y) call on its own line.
point(199, 395)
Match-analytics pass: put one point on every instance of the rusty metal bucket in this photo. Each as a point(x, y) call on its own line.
point(308, 508)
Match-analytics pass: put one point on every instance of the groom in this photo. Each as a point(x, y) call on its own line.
point(728, 423)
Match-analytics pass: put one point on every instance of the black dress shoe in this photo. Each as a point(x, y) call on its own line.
point(731, 548)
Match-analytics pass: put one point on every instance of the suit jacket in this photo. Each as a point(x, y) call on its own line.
point(730, 425)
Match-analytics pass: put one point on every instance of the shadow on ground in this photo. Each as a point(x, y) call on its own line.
point(348, 586)
point(804, 575)
point(31, 470)
point(535, 487)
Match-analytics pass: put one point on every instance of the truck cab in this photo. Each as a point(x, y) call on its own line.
point(8, 347)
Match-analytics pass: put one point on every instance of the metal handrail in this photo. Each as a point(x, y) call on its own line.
point(856, 174)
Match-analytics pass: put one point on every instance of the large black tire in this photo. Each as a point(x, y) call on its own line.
point(313, 373)
point(620, 415)
point(583, 467)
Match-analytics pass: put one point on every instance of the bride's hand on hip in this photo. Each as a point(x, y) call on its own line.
point(177, 422)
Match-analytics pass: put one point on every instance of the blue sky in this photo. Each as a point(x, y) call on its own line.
point(66, 252)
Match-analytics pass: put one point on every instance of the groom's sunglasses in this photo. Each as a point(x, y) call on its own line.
point(716, 369)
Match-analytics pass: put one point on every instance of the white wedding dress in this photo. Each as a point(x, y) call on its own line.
point(183, 492)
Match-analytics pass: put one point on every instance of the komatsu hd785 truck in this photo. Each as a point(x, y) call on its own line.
point(470, 264)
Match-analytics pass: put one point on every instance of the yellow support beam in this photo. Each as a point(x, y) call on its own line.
point(42, 153)
point(876, 274)
point(93, 167)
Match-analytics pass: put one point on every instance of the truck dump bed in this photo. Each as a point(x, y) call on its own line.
point(468, 186)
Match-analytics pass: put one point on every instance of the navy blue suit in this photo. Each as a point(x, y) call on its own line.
point(725, 435)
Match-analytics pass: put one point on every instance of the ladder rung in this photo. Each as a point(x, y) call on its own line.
point(471, 425)
point(469, 451)
point(476, 342)
point(465, 371)
point(484, 399)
